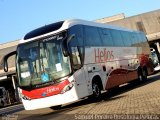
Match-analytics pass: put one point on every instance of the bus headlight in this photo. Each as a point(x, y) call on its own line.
point(24, 97)
point(67, 88)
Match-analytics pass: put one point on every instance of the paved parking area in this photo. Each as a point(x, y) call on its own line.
point(135, 98)
point(132, 99)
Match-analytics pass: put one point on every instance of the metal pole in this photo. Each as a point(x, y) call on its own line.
point(15, 88)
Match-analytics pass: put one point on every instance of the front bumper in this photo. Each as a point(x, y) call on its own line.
point(59, 99)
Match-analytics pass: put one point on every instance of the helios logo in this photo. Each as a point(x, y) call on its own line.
point(103, 55)
point(51, 90)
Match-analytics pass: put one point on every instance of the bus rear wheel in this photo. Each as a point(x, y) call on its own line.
point(142, 74)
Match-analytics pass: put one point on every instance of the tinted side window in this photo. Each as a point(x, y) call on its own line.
point(126, 38)
point(76, 44)
point(78, 32)
point(141, 42)
point(92, 37)
point(116, 36)
point(144, 39)
point(132, 39)
point(106, 37)
point(136, 39)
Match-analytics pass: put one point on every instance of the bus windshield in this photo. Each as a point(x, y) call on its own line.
point(42, 62)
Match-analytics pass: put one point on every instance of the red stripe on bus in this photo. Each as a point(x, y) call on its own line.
point(45, 91)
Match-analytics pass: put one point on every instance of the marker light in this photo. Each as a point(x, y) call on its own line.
point(67, 87)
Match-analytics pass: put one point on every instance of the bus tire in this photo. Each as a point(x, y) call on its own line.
point(96, 91)
point(58, 107)
point(144, 73)
point(140, 75)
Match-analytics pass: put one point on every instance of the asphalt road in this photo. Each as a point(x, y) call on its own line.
point(135, 100)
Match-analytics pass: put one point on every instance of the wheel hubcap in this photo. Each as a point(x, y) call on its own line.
point(140, 78)
point(96, 90)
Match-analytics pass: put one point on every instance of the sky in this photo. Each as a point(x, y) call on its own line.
point(18, 17)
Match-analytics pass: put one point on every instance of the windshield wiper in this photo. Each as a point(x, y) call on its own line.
point(35, 66)
point(43, 69)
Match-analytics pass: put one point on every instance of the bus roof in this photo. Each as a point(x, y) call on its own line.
point(72, 22)
point(63, 25)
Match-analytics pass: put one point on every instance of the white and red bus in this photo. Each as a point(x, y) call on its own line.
point(65, 61)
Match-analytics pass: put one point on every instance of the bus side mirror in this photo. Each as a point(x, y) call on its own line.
point(65, 48)
point(4, 62)
point(65, 45)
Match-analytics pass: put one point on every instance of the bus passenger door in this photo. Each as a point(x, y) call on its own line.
point(81, 83)
point(79, 75)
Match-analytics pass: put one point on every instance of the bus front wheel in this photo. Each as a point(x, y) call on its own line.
point(96, 91)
